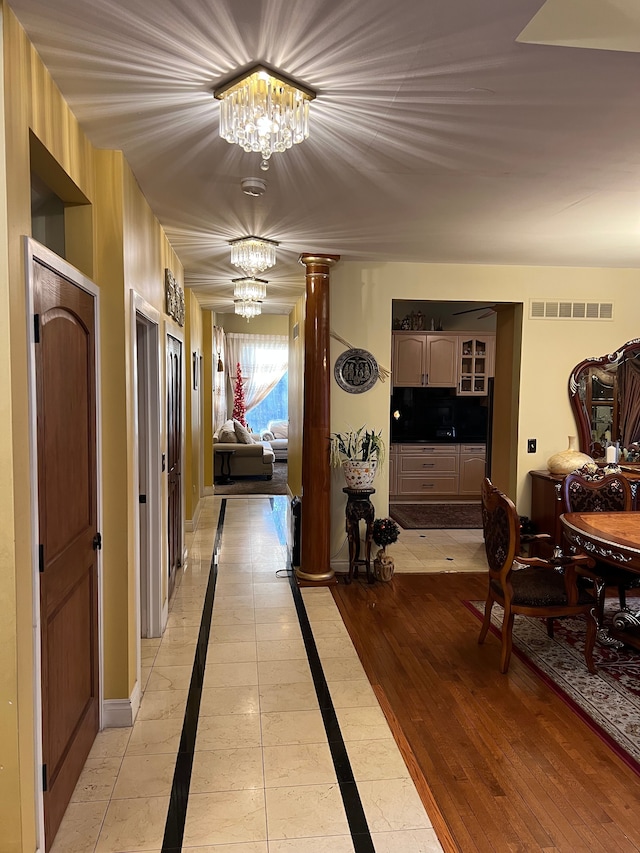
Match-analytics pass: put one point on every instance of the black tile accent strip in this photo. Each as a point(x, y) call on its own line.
point(360, 835)
point(177, 814)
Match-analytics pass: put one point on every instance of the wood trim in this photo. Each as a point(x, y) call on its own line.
point(436, 817)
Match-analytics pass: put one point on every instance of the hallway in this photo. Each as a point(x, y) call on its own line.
point(261, 760)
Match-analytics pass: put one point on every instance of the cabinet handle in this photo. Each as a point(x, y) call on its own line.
point(428, 464)
point(428, 485)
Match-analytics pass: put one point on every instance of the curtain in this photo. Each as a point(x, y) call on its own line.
point(629, 392)
point(219, 379)
point(263, 359)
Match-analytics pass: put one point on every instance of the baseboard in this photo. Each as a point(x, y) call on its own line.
point(191, 524)
point(208, 490)
point(118, 713)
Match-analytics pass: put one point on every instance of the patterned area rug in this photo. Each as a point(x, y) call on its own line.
point(609, 702)
point(277, 485)
point(436, 516)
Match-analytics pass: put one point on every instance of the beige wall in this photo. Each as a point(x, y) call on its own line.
point(361, 297)
point(122, 248)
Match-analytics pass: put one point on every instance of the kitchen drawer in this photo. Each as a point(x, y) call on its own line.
point(428, 465)
point(428, 449)
point(474, 449)
point(428, 485)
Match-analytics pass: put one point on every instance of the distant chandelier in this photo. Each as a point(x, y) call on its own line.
point(253, 254)
point(247, 308)
point(264, 111)
point(249, 288)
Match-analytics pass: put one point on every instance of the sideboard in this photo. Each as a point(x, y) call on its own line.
point(546, 501)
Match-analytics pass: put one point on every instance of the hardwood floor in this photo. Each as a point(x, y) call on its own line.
point(509, 765)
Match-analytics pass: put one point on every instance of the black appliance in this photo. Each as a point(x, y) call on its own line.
point(437, 415)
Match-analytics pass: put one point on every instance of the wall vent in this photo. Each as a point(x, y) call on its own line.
point(543, 309)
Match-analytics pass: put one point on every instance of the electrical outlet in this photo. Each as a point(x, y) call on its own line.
point(532, 444)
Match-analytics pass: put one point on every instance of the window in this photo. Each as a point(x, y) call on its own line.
point(274, 407)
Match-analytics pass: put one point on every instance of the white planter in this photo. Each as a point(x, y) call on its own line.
point(359, 475)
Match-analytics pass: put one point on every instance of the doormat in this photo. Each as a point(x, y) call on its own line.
point(437, 516)
point(609, 701)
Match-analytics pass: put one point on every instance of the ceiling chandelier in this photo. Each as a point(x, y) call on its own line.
point(253, 254)
point(247, 308)
point(264, 111)
point(254, 289)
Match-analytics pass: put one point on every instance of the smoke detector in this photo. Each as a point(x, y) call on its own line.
point(253, 186)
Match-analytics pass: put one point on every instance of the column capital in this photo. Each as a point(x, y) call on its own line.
point(308, 259)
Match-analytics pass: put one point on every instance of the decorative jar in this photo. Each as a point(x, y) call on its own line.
point(359, 475)
point(568, 460)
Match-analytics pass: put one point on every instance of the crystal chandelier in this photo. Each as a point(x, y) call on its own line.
point(249, 288)
point(247, 308)
point(253, 254)
point(264, 111)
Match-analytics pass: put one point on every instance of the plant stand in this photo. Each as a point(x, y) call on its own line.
point(359, 508)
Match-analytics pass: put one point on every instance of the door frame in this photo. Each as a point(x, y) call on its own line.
point(34, 251)
point(177, 332)
point(156, 615)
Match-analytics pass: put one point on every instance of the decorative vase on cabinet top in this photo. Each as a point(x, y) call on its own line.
point(568, 460)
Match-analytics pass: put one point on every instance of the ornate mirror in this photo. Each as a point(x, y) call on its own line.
point(605, 396)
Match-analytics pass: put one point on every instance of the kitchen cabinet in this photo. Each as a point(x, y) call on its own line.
point(433, 360)
point(475, 363)
point(472, 468)
point(425, 359)
point(425, 471)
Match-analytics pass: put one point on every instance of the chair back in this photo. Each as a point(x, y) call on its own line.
point(501, 528)
point(611, 493)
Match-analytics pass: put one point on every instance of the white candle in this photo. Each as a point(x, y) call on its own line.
point(611, 453)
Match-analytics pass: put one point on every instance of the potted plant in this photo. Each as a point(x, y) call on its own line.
point(359, 452)
point(385, 532)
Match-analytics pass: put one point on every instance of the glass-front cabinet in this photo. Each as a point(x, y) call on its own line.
point(475, 364)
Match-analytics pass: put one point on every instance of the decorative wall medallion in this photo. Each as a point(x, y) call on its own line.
point(174, 297)
point(356, 370)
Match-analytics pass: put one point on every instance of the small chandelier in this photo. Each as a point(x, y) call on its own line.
point(253, 254)
point(247, 308)
point(249, 288)
point(264, 111)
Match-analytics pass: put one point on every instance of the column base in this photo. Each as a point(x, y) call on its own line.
point(313, 578)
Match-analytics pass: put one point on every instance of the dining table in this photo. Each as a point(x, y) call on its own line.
point(614, 538)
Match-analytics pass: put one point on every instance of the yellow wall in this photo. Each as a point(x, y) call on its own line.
point(265, 324)
point(296, 396)
point(193, 424)
point(208, 368)
point(361, 297)
point(123, 248)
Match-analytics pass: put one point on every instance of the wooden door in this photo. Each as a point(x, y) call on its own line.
point(174, 451)
point(409, 358)
point(67, 506)
point(442, 361)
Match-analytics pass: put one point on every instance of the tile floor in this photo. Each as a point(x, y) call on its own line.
point(262, 779)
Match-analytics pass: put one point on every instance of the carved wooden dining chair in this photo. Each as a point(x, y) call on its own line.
point(610, 493)
point(530, 586)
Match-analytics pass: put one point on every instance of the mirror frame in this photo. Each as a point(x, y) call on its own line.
point(583, 420)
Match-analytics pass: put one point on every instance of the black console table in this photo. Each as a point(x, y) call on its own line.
point(225, 467)
point(359, 508)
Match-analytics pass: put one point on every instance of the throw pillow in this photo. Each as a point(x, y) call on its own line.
point(242, 433)
point(280, 429)
point(267, 435)
point(226, 435)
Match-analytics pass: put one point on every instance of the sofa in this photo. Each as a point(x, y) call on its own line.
point(251, 457)
point(277, 434)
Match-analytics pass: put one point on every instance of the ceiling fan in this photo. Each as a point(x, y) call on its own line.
point(488, 311)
